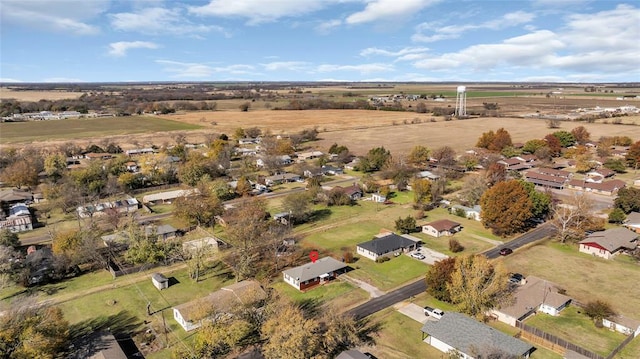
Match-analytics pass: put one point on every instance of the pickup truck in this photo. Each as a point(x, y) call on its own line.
point(433, 312)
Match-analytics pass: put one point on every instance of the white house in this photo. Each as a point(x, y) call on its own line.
point(469, 212)
point(607, 244)
point(632, 222)
point(621, 324)
point(470, 338)
point(385, 245)
point(536, 295)
point(168, 196)
point(313, 273)
point(190, 315)
point(442, 227)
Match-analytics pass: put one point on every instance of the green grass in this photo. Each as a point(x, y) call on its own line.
point(346, 294)
point(577, 328)
point(82, 128)
point(390, 274)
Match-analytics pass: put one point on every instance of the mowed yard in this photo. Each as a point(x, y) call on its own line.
point(584, 277)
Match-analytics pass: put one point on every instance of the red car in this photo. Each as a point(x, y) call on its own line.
point(506, 251)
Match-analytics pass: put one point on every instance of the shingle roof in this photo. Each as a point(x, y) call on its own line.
point(352, 354)
point(13, 195)
point(533, 293)
point(443, 225)
point(633, 218)
point(387, 243)
point(612, 239)
point(468, 335)
point(314, 270)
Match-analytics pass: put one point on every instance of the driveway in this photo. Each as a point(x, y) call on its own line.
point(430, 255)
point(413, 311)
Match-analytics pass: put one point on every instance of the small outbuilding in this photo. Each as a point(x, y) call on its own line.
point(160, 281)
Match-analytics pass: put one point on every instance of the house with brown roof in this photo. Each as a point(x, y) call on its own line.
point(607, 187)
point(354, 192)
point(535, 295)
point(544, 179)
point(442, 227)
point(622, 324)
point(607, 244)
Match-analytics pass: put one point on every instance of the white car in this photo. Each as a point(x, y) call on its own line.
point(417, 255)
point(433, 312)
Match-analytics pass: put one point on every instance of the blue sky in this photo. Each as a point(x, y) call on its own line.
point(319, 40)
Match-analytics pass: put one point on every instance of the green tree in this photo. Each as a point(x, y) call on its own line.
point(566, 138)
point(406, 225)
point(20, 173)
point(617, 216)
point(198, 208)
point(532, 146)
point(55, 165)
point(298, 205)
point(478, 285)
point(9, 239)
point(438, 276)
point(540, 201)
point(615, 164)
point(506, 207)
point(336, 149)
point(374, 160)
point(598, 310)
point(628, 199)
point(191, 172)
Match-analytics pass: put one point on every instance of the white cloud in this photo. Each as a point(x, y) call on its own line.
point(286, 65)
point(203, 70)
point(259, 11)
point(327, 26)
point(400, 53)
point(363, 68)
point(120, 48)
point(158, 20)
point(7, 80)
point(377, 10)
point(60, 15)
point(439, 32)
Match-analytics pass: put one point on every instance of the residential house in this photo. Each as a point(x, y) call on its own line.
point(280, 160)
point(98, 155)
point(535, 295)
point(139, 151)
point(515, 164)
point(353, 164)
point(329, 170)
point(282, 178)
point(354, 192)
point(352, 354)
point(632, 222)
point(163, 231)
point(105, 346)
point(190, 315)
point(12, 196)
point(470, 338)
point(442, 227)
point(248, 141)
point(282, 217)
point(385, 245)
point(196, 244)
point(548, 177)
point(127, 205)
point(168, 196)
point(606, 187)
point(469, 212)
point(609, 243)
point(303, 156)
point(18, 220)
point(428, 175)
point(622, 324)
point(314, 273)
point(378, 197)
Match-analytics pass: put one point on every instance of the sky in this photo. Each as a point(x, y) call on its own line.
point(320, 40)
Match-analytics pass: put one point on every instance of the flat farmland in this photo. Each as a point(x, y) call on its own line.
point(35, 96)
point(38, 131)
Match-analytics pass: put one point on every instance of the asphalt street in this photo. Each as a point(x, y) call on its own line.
point(389, 299)
point(543, 231)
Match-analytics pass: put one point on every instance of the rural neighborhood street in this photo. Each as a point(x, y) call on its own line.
point(541, 232)
point(377, 304)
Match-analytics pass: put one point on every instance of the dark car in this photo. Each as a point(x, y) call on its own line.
point(506, 251)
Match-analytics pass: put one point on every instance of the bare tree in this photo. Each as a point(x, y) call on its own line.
point(572, 218)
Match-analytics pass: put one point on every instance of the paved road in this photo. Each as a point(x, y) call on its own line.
point(377, 304)
point(541, 232)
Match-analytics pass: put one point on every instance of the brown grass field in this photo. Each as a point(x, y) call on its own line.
point(6, 93)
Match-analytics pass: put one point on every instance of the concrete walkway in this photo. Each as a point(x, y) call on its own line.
point(373, 291)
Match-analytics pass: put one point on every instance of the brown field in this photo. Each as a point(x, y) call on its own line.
point(37, 95)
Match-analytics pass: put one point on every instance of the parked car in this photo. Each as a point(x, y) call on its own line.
point(417, 255)
point(506, 251)
point(433, 312)
point(516, 278)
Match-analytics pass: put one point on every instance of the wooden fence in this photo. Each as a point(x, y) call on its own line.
point(552, 342)
point(620, 347)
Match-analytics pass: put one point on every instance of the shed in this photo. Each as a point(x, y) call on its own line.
point(160, 281)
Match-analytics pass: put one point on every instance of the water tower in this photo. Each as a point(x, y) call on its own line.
point(461, 102)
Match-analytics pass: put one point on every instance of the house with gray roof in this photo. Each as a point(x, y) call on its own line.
point(632, 222)
point(163, 231)
point(385, 245)
point(469, 212)
point(352, 354)
point(313, 273)
point(535, 295)
point(609, 243)
point(470, 338)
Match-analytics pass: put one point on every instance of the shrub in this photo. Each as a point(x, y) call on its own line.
point(598, 310)
point(348, 257)
point(382, 259)
point(455, 246)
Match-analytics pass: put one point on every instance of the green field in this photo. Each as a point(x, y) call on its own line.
point(11, 132)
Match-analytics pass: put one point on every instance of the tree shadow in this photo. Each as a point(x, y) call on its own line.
point(319, 215)
point(86, 336)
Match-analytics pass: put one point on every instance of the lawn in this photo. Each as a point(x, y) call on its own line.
point(584, 277)
point(390, 274)
point(84, 128)
point(577, 328)
point(340, 295)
